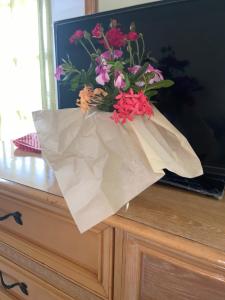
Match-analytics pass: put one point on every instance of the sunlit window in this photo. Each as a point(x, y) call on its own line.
point(20, 87)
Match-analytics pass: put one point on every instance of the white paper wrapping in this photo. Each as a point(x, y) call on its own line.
point(100, 166)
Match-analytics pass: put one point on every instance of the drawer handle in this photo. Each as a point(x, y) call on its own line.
point(21, 285)
point(16, 215)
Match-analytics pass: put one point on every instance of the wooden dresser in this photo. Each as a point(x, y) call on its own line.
point(169, 244)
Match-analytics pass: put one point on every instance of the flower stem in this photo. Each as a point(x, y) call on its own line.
point(88, 52)
point(143, 46)
point(107, 43)
point(138, 52)
point(131, 55)
point(145, 86)
point(92, 44)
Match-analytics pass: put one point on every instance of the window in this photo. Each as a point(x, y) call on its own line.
point(26, 64)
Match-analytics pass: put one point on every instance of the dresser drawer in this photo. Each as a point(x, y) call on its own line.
point(4, 295)
point(54, 240)
point(18, 284)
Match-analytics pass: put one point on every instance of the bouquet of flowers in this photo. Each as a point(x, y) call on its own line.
point(101, 165)
point(117, 80)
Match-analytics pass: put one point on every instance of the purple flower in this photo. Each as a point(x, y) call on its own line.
point(150, 69)
point(134, 69)
point(117, 53)
point(158, 77)
point(59, 72)
point(119, 81)
point(158, 74)
point(139, 83)
point(103, 69)
point(107, 55)
point(103, 74)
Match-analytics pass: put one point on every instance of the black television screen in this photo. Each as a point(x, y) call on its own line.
point(187, 37)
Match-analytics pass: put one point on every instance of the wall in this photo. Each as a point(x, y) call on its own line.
point(104, 5)
point(66, 9)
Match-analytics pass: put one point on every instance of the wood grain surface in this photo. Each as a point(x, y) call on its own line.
point(151, 271)
point(187, 214)
point(182, 213)
point(168, 245)
point(162, 279)
point(48, 275)
point(37, 288)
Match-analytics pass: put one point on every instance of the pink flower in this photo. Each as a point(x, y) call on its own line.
point(115, 37)
point(150, 69)
point(115, 54)
point(134, 69)
point(132, 36)
point(158, 74)
point(77, 35)
point(97, 31)
point(103, 74)
point(129, 105)
point(59, 72)
point(103, 69)
point(119, 81)
point(106, 55)
point(115, 117)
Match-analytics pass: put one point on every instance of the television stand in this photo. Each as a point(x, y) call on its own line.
point(206, 184)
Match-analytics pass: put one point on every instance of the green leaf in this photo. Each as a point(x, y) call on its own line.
point(151, 93)
point(75, 82)
point(94, 56)
point(64, 61)
point(118, 66)
point(127, 81)
point(107, 104)
point(67, 63)
point(149, 76)
point(126, 61)
point(66, 77)
point(136, 89)
point(91, 69)
point(161, 84)
point(83, 76)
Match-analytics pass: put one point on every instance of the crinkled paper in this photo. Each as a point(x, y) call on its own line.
point(100, 165)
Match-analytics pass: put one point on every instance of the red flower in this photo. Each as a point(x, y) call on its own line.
point(115, 37)
point(77, 35)
point(132, 36)
point(129, 105)
point(97, 31)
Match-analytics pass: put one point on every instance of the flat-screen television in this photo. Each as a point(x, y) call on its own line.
point(187, 37)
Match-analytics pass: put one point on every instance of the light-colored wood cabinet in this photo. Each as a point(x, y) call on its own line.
point(152, 271)
point(168, 245)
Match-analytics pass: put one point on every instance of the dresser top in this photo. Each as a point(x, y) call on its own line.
point(181, 213)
